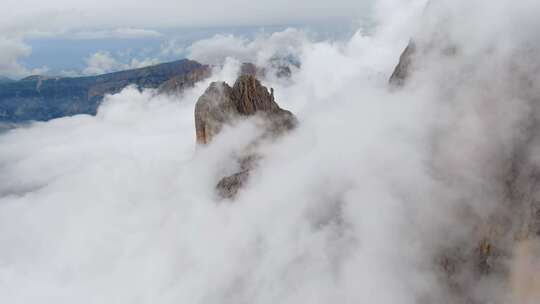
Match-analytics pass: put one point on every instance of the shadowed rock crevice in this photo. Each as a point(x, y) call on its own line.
point(222, 105)
point(213, 110)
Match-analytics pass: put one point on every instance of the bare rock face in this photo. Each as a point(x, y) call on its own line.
point(434, 39)
point(213, 110)
point(413, 54)
point(402, 70)
point(229, 186)
point(222, 105)
point(177, 85)
point(251, 97)
point(503, 245)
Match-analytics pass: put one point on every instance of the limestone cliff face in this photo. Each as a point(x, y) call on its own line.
point(251, 97)
point(403, 68)
point(213, 110)
point(502, 245)
point(178, 84)
point(222, 105)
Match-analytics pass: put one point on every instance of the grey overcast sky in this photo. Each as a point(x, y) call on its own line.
point(64, 36)
point(50, 15)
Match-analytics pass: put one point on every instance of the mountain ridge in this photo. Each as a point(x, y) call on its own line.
point(41, 98)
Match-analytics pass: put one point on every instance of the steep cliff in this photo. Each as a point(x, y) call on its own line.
point(490, 79)
point(222, 105)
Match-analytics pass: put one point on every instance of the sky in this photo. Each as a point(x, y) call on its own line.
point(65, 38)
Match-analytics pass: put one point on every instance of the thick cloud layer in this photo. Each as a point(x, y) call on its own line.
point(259, 51)
point(11, 51)
point(63, 14)
point(100, 19)
point(352, 207)
point(104, 62)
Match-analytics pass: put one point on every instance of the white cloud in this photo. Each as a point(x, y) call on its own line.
point(216, 49)
point(172, 47)
point(68, 15)
point(103, 62)
point(121, 33)
point(136, 63)
point(11, 51)
point(352, 207)
point(132, 213)
point(122, 19)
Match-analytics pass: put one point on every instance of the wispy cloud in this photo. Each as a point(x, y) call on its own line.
point(12, 50)
point(121, 33)
point(216, 49)
point(103, 62)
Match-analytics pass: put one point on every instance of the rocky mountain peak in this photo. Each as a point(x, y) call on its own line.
point(213, 109)
point(250, 96)
point(222, 105)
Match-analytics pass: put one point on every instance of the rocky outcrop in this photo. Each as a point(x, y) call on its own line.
point(222, 105)
point(403, 68)
point(213, 110)
point(501, 246)
point(178, 84)
point(250, 97)
point(279, 67)
point(228, 186)
point(414, 53)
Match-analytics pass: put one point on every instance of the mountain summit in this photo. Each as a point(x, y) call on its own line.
point(222, 105)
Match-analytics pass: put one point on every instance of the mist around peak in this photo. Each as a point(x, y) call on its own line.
point(358, 204)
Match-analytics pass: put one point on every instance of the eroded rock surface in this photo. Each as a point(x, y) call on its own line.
point(213, 110)
point(177, 85)
point(222, 105)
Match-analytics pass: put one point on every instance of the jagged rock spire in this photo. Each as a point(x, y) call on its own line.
point(220, 104)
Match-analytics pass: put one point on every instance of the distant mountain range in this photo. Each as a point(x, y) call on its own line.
point(43, 98)
point(5, 79)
